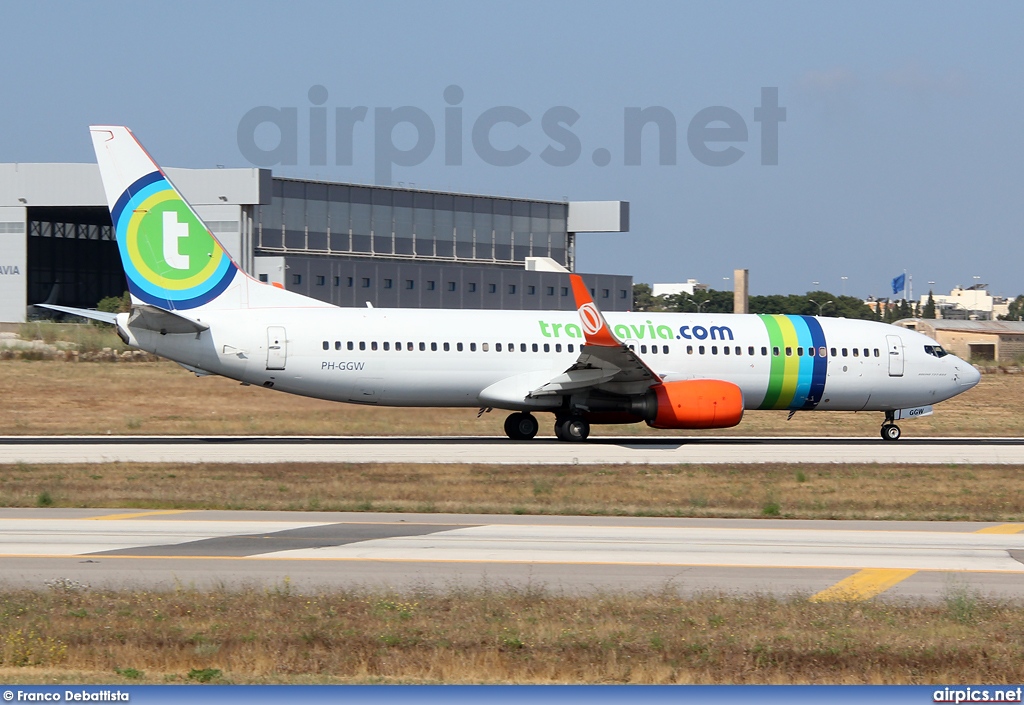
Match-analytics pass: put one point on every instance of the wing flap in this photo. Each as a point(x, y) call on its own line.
point(162, 321)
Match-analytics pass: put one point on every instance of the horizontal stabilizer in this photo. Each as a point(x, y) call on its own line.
point(157, 319)
point(89, 313)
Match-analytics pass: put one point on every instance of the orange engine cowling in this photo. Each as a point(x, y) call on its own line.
point(697, 403)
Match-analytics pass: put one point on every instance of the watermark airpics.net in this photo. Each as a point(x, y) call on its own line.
point(716, 136)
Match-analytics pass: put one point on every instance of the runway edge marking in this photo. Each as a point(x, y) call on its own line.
point(1002, 529)
point(136, 515)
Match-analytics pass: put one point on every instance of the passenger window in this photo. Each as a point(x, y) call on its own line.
point(558, 347)
point(664, 349)
point(387, 345)
point(821, 352)
point(876, 352)
point(485, 347)
point(571, 347)
point(350, 346)
point(408, 346)
point(497, 347)
point(535, 347)
point(373, 345)
point(750, 350)
point(472, 347)
point(362, 345)
point(700, 349)
point(689, 350)
point(547, 347)
point(799, 351)
point(844, 352)
point(811, 352)
point(423, 347)
point(433, 347)
point(643, 349)
point(739, 350)
point(337, 345)
point(833, 351)
point(522, 347)
point(866, 352)
point(458, 347)
point(714, 349)
point(775, 352)
point(327, 346)
point(447, 347)
point(654, 349)
point(764, 351)
point(856, 353)
point(725, 349)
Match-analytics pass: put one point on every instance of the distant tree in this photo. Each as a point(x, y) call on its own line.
point(929, 307)
point(643, 299)
point(1015, 311)
point(115, 304)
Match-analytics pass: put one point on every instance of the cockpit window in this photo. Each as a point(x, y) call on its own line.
point(935, 350)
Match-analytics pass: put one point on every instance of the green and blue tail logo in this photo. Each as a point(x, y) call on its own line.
point(170, 257)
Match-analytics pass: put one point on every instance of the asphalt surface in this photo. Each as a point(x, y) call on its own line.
point(827, 560)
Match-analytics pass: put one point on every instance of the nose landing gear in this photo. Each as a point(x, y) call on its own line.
point(889, 431)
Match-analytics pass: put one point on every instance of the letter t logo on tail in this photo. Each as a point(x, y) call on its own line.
point(173, 233)
point(595, 328)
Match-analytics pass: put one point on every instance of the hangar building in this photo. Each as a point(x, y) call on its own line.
point(347, 244)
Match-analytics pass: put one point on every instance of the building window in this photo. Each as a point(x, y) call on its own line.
point(471, 287)
point(565, 291)
point(622, 293)
point(320, 280)
point(365, 282)
point(296, 279)
point(431, 286)
point(387, 283)
point(263, 278)
point(409, 284)
point(351, 281)
point(605, 293)
point(337, 281)
point(531, 290)
point(550, 291)
point(451, 286)
point(511, 288)
point(492, 288)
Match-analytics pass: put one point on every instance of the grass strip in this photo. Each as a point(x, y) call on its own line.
point(900, 492)
point(71, 634)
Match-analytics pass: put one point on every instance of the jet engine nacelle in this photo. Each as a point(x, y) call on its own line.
point(696, 403)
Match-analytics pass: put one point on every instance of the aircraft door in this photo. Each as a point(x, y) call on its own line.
point(895, 349)
point(277, 348)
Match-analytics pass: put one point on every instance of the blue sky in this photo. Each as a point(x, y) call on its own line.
point(902, 146)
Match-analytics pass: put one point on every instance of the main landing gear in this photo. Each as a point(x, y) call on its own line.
point(890, 431)
point(571, 428)
point(521, 426)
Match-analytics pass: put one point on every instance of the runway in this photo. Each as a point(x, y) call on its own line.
point(667, 450)
point(824, 560)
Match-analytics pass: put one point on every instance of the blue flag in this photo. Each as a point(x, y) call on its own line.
point(898, 283)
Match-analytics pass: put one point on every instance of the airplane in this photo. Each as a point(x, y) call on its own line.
point(191, 303)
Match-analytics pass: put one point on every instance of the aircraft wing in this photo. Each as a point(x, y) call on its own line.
point(604, 361)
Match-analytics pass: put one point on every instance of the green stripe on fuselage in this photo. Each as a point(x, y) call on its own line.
point(777, 374)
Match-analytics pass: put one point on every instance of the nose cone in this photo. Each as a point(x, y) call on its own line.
point(967, 374)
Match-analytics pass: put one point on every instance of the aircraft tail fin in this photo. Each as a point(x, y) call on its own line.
point(170, 258)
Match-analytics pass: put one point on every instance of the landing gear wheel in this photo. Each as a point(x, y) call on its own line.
point(890, 432)
point(572, 429)
point(521, 426)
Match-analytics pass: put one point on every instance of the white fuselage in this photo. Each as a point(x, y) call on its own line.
point(425, 357)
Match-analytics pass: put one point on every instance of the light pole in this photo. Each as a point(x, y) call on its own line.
point(820, 306)
point(701, 304)
point(844, 284)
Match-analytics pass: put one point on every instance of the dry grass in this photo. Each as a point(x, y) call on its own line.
point(44, 397)
point(500, 636)
point(978, 493)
